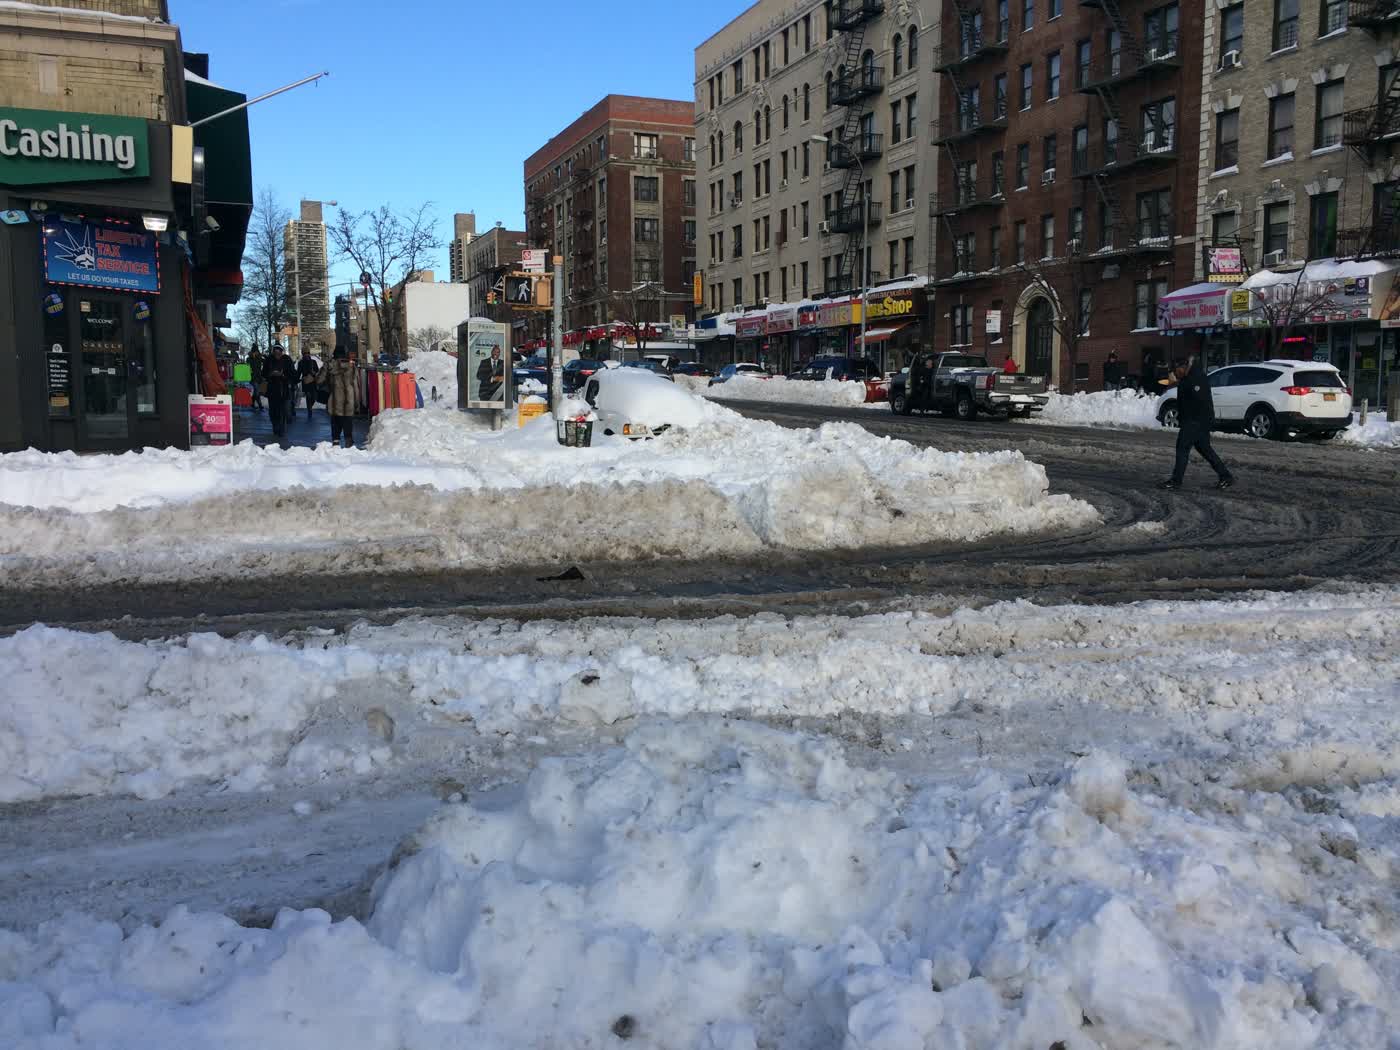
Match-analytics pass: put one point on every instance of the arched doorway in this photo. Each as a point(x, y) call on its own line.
point(1040, 339)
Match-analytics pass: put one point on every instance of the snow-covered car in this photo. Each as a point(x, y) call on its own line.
point(636, 403)
point(1279, 398)
point(743, 368)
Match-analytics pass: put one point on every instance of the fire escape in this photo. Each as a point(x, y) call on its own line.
point(859, 82)
point(972, 194)
point(1125, 148)
point(585, 275)
point(1370, 131)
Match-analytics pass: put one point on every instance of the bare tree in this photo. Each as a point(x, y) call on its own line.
point(427, 337)
point(1287, 303)
point(264, 303)
point(638, 309)
point(1067, 284)
point(388, 247)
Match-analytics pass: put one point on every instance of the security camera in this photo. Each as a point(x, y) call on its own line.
point(212, 223)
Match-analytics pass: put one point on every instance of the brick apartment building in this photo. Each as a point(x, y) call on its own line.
point(614, 193)
point(1066, 198)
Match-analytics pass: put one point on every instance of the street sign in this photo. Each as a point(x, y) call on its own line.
point(532, 260)
point(365, 278)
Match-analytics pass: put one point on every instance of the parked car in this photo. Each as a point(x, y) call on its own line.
point(535, 367)
point(651, 365)
point(637, 403)
point(1274, 399)
point(843, 368)
point(743, 368)
point(692, 368)
point(964, 385)
point(577, 371)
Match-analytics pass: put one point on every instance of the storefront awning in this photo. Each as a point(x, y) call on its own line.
point(879, 335)
point(1196, 309)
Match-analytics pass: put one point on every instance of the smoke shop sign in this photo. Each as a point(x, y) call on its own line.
point(891, 306)
point(43, 146)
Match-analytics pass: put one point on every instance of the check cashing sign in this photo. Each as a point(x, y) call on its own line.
point(47, 146)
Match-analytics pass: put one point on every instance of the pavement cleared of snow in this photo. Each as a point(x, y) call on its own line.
point(1213, 871)
point(440, 490)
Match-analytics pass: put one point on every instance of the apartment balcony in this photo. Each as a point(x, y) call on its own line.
point(1364, 127)
point(856, 84)
point(968, 48)
point(1369, 242)
point(1374, 14)
point(581, 172)
point(969, 123)
point(1133, 238)
point(838, 283)
point(961, 269)
point(1153, 149)
point(1122, 68)
point(851, 13)
point(966, 196)
point(852, 217)
point(870, 146)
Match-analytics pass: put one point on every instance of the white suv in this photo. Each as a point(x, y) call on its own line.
point(1274, 399)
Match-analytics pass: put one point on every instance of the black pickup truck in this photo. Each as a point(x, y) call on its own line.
point(963, 385)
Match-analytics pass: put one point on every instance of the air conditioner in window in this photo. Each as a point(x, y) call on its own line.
point(824, 228)
point(1273, 258)
point(782, 184)
point(1047, 176)
point(735, 199)
point(1230, 60)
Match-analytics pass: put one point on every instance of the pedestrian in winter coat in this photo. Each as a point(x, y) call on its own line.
point(1112, 371)
point(277, 373)
point(1009, 367)
point(1195, 413)
point(339, 378)
point(255, 369)
point(308, 371)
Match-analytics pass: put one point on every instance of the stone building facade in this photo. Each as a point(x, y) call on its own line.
point(1066, 201)
point(783, 211)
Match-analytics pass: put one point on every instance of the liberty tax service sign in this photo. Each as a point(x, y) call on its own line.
point(118, 258)
point(211, 420)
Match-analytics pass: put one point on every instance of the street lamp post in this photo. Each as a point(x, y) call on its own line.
point(864, 238)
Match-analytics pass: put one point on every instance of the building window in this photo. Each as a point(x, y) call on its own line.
point(1285, 24)
point(1083, 52)
point(1020, 237)
point(1232, 29)
point(738, 136)
point(1159, 125)
point(806, 34)
point(644, 147)
point(645, 188)
point(806, 102)
point(998, 173)
point(1154, 215)
point(1333, 18)
point(719, 159)
point(736, 242)
point(1322, 229)
point(1280, 126)
point(688, 195)
point(738, 292)
point(909, 187)
point(1276, 228)
point(646, 230)
point(806, 219)
point(1050, 156)
point(911, 115)
point(1146, 294)
point(1023, 165)
point(894, 191)
point(767, 122)
point(1086, 310)
point(1076, 231)
point(1225, 228)
point(962, 326)
point(1079, 150)
point(689, 155)
point(737, 69)
point(689, 226)
point(787, 106)
point(1161, 29)
point(896, 122)
point(994, 237)
point(913, 45)
point(897, 48)
point(999, 95)
point(1052, 76)
point(1056, 8)
point(806, 159)
point(1047, 236)
point(1328, 131)
point(909, 255)
point(1227, 139)
point(647, 269)
point(1027, 82)
point(1027, 14)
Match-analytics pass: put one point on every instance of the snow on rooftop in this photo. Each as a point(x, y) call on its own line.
point(75, 12)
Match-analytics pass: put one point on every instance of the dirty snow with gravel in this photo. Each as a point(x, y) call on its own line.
point(1378, 431)
point(1157, 825)
point(439, 490)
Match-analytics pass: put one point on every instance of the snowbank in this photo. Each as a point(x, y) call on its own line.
point(1102, 408)
point(1379, 432)
point(440, 490)
point(828, 392)
point(91, 714)
point(435, 368)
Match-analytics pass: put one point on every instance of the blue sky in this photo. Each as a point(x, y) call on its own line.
point(434, 100)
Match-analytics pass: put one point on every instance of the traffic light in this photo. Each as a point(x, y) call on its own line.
point(519, 290)
point(490, 298)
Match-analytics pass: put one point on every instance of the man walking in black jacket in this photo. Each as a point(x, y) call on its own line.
point(1195, 413)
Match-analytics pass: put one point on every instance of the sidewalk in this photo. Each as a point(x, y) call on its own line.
point(250, 423)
